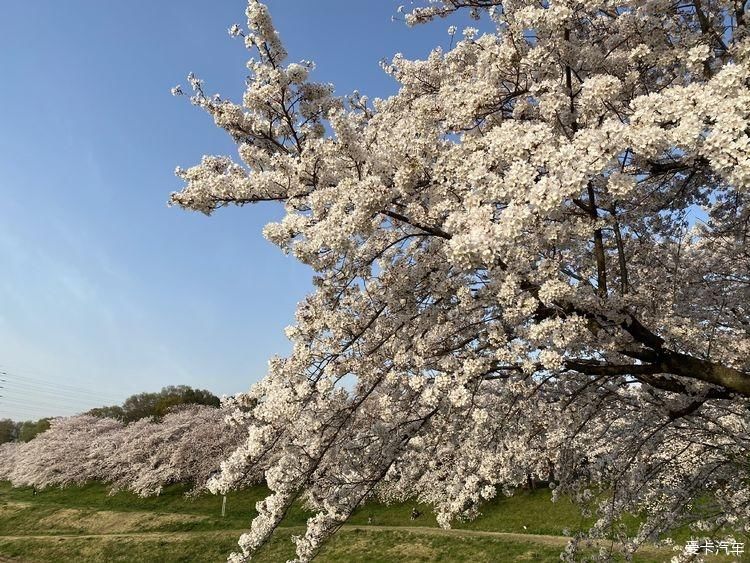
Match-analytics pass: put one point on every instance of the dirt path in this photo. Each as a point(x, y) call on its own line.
point(537, 538)
point(533, 538)
point(547, 540)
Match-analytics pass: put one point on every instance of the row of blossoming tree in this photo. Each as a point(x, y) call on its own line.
point(185, 446)
point(535, 257)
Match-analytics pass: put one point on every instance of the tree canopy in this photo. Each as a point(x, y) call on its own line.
point(185, 446)
point(144, 405)
point(11, 431)
point(534, 259)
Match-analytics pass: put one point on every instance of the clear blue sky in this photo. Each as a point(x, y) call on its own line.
point(102, 287)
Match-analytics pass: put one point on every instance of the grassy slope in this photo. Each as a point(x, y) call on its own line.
point(174, 528)
point(507, 514)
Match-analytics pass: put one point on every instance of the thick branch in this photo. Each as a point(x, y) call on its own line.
point(597, 368)
point(438, 232)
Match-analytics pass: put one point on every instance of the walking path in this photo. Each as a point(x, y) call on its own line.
point(547, 540)
point(536, 538)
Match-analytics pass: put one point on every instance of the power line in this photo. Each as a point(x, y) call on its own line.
point(41, 405)
point(48, 387)
point(38, 398)
point(45, 398)
point(46, 379)
point(45, 410)
point(46, 401)
point(50, 383)
point(11, 382)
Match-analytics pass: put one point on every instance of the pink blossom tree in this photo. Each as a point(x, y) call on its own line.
point(8, 452)
point(61, 456)
point(185, 446)
point(534, 259)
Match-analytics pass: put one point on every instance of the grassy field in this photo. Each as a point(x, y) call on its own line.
point(87, 524)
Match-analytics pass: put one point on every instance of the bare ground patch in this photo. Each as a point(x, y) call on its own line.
point(111, 522)
point(414, 551)
point(12, 507)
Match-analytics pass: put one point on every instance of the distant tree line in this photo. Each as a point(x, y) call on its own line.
point(13, 431)
point(141, 405)
point(156, 405)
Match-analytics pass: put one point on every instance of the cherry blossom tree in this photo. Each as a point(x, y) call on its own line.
point(532, 260)
point(61, 455)
point(185, 446)
point(8, 451)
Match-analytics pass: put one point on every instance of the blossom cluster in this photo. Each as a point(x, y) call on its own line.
point(185, 446)
point(531, 262)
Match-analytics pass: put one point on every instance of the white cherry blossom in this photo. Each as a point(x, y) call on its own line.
point(532, 262)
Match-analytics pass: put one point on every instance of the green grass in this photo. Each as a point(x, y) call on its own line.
point(348, 546)
point(507, 514)
point(172, 528)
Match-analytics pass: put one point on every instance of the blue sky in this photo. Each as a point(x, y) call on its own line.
point(104, 291)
